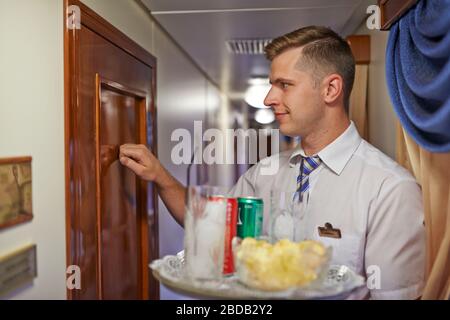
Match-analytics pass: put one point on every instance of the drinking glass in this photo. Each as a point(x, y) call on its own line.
point(204, 225)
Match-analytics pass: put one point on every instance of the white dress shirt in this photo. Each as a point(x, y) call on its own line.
point(374, 202)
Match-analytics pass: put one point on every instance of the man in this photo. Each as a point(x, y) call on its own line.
point(353, 197)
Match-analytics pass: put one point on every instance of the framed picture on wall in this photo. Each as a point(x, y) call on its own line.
point(15, 191)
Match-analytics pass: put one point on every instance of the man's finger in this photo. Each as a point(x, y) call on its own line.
point(131, 152)
point(133, 165)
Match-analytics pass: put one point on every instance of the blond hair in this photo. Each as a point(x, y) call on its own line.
point(323, 52)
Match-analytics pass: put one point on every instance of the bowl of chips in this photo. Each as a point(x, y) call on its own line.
point(280, 266)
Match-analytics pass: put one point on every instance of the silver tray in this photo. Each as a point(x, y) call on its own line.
point(338, 283)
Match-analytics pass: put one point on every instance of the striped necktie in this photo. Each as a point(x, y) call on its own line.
point(307, 165)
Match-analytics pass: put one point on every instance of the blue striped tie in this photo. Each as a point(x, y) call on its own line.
point(308, 165)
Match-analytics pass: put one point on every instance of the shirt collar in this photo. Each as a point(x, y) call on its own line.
point(337, 154)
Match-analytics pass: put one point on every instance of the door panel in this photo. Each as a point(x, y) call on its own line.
point(112, 230)
point(120, 207)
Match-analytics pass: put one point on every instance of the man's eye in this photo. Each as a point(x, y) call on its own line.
point(284, 85)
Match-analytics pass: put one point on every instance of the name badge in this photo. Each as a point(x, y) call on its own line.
point(329, 231)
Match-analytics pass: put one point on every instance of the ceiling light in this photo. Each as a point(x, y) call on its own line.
point(257, 92)
point(264, 116)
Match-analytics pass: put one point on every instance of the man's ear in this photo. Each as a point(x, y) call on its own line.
point(333, 88)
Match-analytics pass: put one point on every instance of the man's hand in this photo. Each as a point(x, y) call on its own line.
point(145, 165)
point(141, 161)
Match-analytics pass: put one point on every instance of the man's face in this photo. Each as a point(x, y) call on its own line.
point(294, 98)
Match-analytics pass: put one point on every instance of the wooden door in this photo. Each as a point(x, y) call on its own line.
point(111, 216)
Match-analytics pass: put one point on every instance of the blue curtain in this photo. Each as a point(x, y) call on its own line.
point(418, 73)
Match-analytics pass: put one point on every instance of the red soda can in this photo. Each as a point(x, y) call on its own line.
point(230, 233)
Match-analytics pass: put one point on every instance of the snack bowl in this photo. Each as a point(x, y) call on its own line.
point(284, 265)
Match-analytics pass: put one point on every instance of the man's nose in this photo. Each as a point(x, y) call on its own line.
point(271, 99)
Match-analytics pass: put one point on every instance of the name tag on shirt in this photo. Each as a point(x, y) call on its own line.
point(329, 231)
